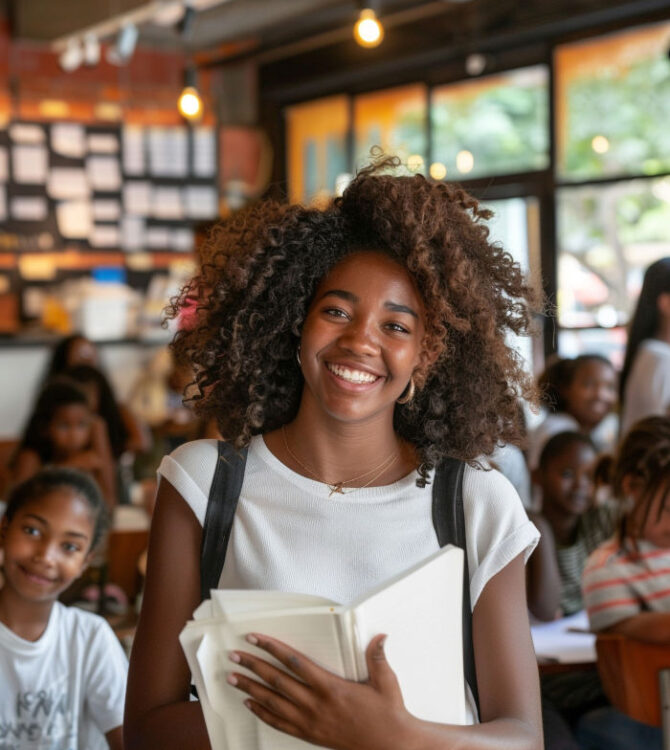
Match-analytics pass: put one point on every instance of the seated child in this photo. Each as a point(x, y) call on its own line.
point(572, 526)
point(63, 670)
point(579, 395)
point(625, 583)
point(63, 431)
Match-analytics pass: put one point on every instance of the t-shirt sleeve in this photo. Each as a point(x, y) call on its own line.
point(190, 470)
point(106, 676)
point(497, 526)
point(608, 597)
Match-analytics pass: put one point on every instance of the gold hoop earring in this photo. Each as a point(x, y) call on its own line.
point(408, 394)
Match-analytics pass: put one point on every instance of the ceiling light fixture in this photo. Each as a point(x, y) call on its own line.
point(368, 31)
point(189, 103)
point(124, 48)
point(72, 56)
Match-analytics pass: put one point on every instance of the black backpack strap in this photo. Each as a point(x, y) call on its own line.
point(449, 523)
point(223, 495)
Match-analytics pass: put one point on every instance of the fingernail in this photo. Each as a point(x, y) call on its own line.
point(380, 645)
point(252, 639)
point(247, 703)
point(231, 679)
point(234, 657)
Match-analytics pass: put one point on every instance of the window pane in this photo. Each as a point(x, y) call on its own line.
point(394, 119)
point(613, 105)
point(515, 225)
point(609, 342)
point(316, 147)
point(607, 236)
point(492, 125)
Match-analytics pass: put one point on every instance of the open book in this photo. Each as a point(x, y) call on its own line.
point(419, 610)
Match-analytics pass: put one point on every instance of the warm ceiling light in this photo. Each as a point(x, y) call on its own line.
point(437, 170)
point(465, 161)
point(368, 32)
point(190, 103)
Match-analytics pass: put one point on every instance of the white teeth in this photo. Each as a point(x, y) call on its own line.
point(352, 376)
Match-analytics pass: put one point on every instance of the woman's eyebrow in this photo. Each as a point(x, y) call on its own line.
point(396, 307)
point(343, 294)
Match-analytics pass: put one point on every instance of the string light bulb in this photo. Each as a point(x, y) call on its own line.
point(368, 31)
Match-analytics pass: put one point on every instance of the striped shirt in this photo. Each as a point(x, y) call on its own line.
point(593, 528)
point(617, 584)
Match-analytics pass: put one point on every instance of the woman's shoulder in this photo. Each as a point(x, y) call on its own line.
point(195, 451)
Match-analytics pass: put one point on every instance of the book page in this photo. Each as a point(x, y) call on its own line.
point(421, 614)
point(235, 601)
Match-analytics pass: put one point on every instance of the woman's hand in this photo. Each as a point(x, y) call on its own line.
point(315, 705)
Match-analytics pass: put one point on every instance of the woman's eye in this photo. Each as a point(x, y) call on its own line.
point(31, 531)
point(335, 312)
point(69, 547)
point(398, 327)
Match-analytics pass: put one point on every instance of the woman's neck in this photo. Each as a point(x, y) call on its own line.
point(333, 451)
point(663, 331)
point(25, 618)
point(564, 525)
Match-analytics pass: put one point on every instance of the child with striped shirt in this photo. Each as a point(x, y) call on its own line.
point(626, 581)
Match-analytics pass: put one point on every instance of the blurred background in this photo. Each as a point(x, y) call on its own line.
point(554, 113)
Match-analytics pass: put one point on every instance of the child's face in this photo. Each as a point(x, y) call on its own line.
point(70, 429)
point(46, 545)
point(567, 479)
point(361, 340)
point(656, 528)
point(592, 393)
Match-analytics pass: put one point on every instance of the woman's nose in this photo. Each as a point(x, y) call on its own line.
point(45, 552)
point(360, 338)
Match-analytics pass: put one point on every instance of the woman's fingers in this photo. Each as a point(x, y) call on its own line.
point(278, 680)
point(295, 661)
point(275, 703)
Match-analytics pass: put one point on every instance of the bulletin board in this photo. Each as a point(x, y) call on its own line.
point(105, 187)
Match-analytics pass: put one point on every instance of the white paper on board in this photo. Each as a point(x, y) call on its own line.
point(158, 238)
point(132, 233)
point(104, 173)
point(28, 208)
point(201, 201)
point(26, 133)
point(3, 203)
point(204, 152)
point(68, 139)
point(168, 152)
point(105, 235)
point(137, 197)
point(167, 203)
point(106, 209)
point(133, 150)
point(103, 143)
point(29, 164)
point(4, 165)
point(68, 183)
point(74, 219)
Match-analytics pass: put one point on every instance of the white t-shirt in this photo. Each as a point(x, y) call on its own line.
point(64, 691)
point(648, 385)
point(288, 534)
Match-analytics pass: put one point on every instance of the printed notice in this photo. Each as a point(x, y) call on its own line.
point(204, 152)
point(137, 197)
point(28, 208)
point(133, 150)
point(68, 139)
point(29, 164)
point(26, 133)
point(201, 202)
point(67, 183)
point(74, 219)
point(103, 143)
point(4, 165)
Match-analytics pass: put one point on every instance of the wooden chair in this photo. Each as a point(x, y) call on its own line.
point(636, 678)
point(124, 548)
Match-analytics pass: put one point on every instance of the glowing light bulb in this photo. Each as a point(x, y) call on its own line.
point(190, 103)
point(600, 144)
point(465, 161)
point(368, 32)
point(414, 162)
point(437, 170)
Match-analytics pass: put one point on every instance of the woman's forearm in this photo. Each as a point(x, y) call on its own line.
point(499, 734)
point(176, 726)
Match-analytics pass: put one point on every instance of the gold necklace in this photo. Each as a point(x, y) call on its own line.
point(337, 488)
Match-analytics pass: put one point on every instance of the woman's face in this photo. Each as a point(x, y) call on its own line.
point(82, 352)
point(567, 479)
point(656, 528)
point(361, 340)
point(591, 395)
point(69, 430)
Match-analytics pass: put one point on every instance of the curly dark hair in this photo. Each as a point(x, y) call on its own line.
point(264, 266)
point(644, 455)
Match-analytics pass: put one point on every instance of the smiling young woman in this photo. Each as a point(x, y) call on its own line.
point(350, 350)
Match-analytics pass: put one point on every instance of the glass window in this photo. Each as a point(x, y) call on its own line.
point(316, 147)
point(394, 119)
point(607, 236)
point(613, 105)
point(608, 342)
point(492, 125)
point(515, 224)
